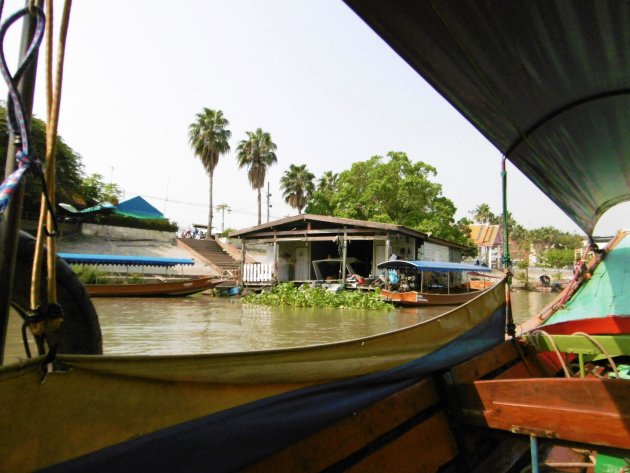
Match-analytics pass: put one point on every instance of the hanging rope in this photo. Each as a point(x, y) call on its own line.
point(47, 222)
point(15, 108)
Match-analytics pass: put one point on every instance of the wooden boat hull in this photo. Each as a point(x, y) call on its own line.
point(166, 289)
point(112, 413)
point(523, 399)
point(418, 299)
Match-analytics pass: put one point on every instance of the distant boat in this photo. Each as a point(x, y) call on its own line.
point(419, 283)
point(184, 287)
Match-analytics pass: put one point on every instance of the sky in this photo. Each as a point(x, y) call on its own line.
point(311, 73)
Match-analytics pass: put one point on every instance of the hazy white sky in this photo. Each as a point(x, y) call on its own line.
point(311, 73)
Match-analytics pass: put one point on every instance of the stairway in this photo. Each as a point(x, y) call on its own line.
point(211, 253)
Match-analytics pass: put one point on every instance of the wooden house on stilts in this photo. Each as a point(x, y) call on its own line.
point(307, 248)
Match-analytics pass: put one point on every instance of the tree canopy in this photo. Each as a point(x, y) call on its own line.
point(297, 186)
point(95, 191)
point(392, 189)
point(68, 167)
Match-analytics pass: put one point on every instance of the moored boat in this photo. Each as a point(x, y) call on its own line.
point(184, 287)
point(419, 283)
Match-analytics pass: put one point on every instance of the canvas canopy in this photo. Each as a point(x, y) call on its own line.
point(547, 82)
point(77, 258)
point(433, 266)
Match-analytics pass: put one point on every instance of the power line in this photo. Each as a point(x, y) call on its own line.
point(243, 211)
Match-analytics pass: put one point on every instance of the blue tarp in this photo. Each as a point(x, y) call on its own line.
point(433, 266)
point(138, 207)
point(77, 258)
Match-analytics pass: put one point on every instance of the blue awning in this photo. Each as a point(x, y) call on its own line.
point(433, 266)
point(77, 258)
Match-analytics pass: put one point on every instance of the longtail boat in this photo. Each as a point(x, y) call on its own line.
point(408, 282)
point(184, 287)
point(546, 82)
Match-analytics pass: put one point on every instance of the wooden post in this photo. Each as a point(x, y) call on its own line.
point(276, 256)
point(241, 279)
point(387, 255)
point(344, 258)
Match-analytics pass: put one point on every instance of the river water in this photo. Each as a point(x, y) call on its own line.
point(203, 324)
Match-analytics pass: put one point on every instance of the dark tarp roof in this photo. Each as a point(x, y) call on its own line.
point(547, 82)
point(122, 260)
point(433, 266)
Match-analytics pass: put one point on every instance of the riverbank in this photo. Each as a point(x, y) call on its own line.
point(104, 245)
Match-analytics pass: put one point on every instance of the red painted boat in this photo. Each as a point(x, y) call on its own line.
point(184, 287)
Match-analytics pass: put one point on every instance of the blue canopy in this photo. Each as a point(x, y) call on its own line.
point(77, 258)
point(433, 266)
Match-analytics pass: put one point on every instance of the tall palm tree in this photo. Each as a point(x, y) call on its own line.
point(256, 153)
point(297, 186)
point(208, 137)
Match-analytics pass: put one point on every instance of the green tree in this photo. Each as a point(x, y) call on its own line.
point(559, 258)
point(320, 201)
point(257, 153)
point(297, 186)
point(111, 193)
point(68, 166)
point(397, 190)
point(209, 138)
point(92, 189)
point(483, 214)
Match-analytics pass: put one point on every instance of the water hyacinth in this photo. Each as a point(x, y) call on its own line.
point(288, 295)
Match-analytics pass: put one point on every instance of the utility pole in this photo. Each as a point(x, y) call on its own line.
point(268, 201)
point(222, 208)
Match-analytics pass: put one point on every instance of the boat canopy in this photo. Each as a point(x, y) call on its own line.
point(547, 82)
point(433, 266)
point(77, 258)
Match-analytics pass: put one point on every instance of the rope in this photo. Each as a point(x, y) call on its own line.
point(15, 108)
point(602, 349)
point(47, 222)
point(538, 333)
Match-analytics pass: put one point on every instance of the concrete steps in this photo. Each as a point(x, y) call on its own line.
point(212, 254)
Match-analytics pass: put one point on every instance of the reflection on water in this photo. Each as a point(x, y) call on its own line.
point(526, 304)
point(201, 324)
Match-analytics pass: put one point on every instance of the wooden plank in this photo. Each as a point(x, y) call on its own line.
point(426, 448)
point(615, 345)
point(483, 364)
point(335, 443)
point(592, 410)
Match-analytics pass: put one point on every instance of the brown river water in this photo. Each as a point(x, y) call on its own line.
point(203, 324)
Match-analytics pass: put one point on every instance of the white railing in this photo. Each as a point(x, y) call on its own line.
point(258, 272)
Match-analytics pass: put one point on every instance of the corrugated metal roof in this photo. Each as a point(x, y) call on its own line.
point(302, 222)
point(123, 260)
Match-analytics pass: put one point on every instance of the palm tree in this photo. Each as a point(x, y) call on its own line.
point(483, 214)
point(208, 137)
point(297, 186)
point(256, 153)
point(328, 182)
